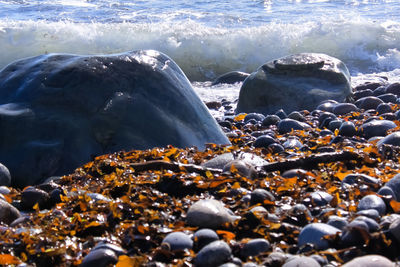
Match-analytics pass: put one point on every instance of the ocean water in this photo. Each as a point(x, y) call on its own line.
point(210, 37)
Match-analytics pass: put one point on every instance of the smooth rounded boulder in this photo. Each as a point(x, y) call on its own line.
point(57, 111)
point(294, 82)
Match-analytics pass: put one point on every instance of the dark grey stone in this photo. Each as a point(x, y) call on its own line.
point(287, 125)
point(344, 108)
point(204, 237)
point(242, 167)
point(255, 116)
point(301, 261)
point(260, 195)
point(347, 129)
point(5, 176)
point(8, 213)
point(388, 98)
point(295, 115)
point(320, 198)
point(264, 141)
point(376, 128)
point(373, 226)
point(384, 108)
point(393, 88)
point(313, 233)
point(214, 254)
point(294, 82)
point(31, 195)
point(178, 241)
point(338, 222)
point(394, 184)
point(255, 247)
point(368, 102)
point(372, 202)
point(370, 261)
point(59, 110)
point(231, 77)
point(101, 257)
point(334, 124)
point(370, 213)
point(391, 139)
point(271, 120)
point(327, 105)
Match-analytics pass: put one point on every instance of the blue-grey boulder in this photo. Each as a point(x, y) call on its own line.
point(372, 202)
point(376, 128)
point(391, 139)
point(294, 82)
point(57, 111)
point(178, 241)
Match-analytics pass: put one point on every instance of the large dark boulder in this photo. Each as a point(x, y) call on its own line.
point(294, 82)
point(57, 111)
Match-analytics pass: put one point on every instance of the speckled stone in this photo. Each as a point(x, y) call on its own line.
point(214, 254)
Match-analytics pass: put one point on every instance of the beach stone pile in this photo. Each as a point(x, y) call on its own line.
point(294, 82)
point(309, 187)
point(58, 111)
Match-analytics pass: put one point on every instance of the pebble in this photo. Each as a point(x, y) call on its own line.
point(8, 213)
point(394, 229)
point(204, 237)
point(327, 105)
point(292, 143)
point(264, 141)
point(275, 259)
point(357, 178)
point(116, 248)
point(372, 202)
point(242, 167)
point(370, 213)
point(347, 128)
point(376, 128)
point(369, 261)
point(360, 94)
point(384, 108)
point(344, 108)
point(373, 226)
point(287, 125)
point(281, 114)
point(367, 85)
point(320, 198)
point(209, 213)
point(255, 247)
point(219, 161)
point(388, 98)
point(271, 120)
point(313, 233)
point(295, 115)
point(394, 184)
point(5, 176)
point(101, 257)
point(352, 234)
point(393, 88)
point(260, 195)
point(391, 139)
point(214, 254)
point(334, 124)
point(254, 116)
point(5, 190)
point(31, 195)
point(338, 222)
point(178, 241)
point(368, 102)
point(301, 261)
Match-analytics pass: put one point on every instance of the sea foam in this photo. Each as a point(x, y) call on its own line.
point(204, 52)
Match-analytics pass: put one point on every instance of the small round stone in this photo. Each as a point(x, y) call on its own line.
point(292, 143)
point(392, 139)
point(5, 176)
point(31, 195)
point(369, 261)
point(393, 88)
point(347, 129)
point(271, 120)
point(371, 213)
point(287, 125)
point(369, 102)
point(344, 108)
point(101, 257)
point(384, 108)
point(209, 213)
point(376, 128)
point(254, 116)
point(214, 254)
point(301, 261)
point(313, 233)
point(373, 226)
point(264, 141)
point(242, 167)
point(372, 202)
point(8, 213)
point(388, 98)
point(328, 105)
point(394, 184)
point(178, 241)
point(338, 222)
point(260, 195)
point(320, 198)
point(204, 237)
point(295, 115)
point(255, 247)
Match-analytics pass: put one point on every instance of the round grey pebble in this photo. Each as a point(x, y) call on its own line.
point(338, 222)
point(292, 143)
point(254, 116)
point(373, 226)
point(376, 128)
point(8, 213)
point(313, 233)
point(301, 261)
point(287, 125)
point(347, 129)
point(255, 247)
point(214, 254)
point(328, 105)
point(31, 195)
point(394, 184)
point(391, 139)
point(101, 257)
point(384, 108)
point(388, 98)
point(271, 120)
point(372, 202)
point(368, 102)
point(5, 176)
point(244, 168)
point(370, 213)
point(320, 198)
point(264, 141)
point(370, 261)
point(204, 237)
point(344, 108)
point(178, 241)
point(260, 195)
